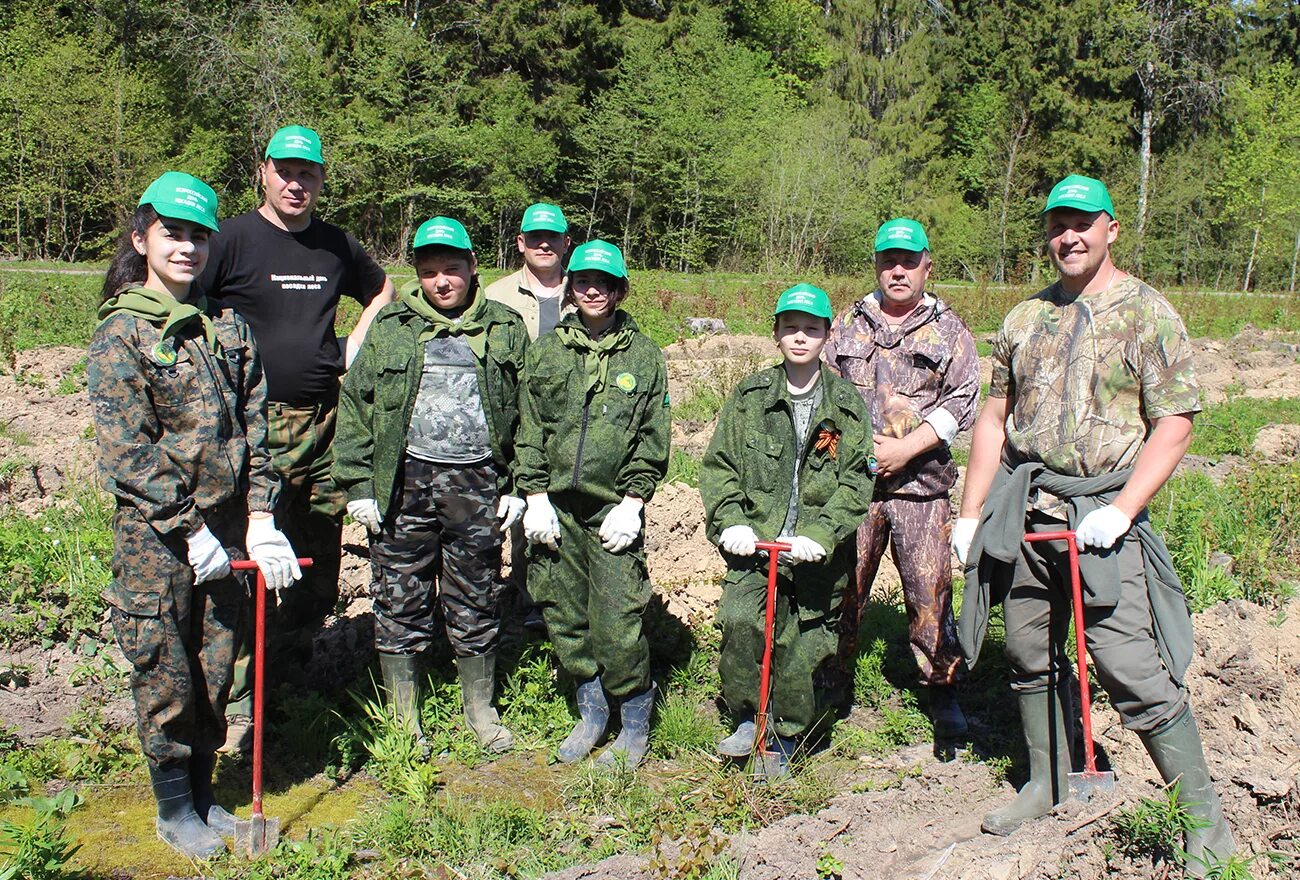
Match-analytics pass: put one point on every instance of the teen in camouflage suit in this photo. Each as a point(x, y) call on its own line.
point(789, 461)
point(1089, 412)
point(424, 451)
point(913, 360)
point(593, 445)
point(179, 405)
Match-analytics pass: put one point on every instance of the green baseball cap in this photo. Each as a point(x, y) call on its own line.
point(804, 298)
point(1081, 193)
point(901, 234)
point(295, 142)
point(442, 231)
point(598, 255)
point(182, 196)
point(544, 216)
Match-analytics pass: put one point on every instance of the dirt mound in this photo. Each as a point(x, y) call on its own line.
point(45, 415)
point(1278, 442)
point(1254, 363)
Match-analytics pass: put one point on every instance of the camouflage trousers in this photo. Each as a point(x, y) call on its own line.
point(917, 532)
point(310, 513)
point(437, 560)
point(1121, 639)
point(804, 637)
point(592, 600)
point(178, 637)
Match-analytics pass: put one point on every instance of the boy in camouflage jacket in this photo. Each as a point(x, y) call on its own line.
point(788, 462)
point(593, 445)
point(424, 451)
point(179, 404)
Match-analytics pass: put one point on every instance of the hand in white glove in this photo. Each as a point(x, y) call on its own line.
point(541, 525)
point(963, 532)
point(738, 540)
point(269, 548)
point(206, 556)
point(621, 525)
point(805, 549)
point(1102, 528)
point(509, 510)
point(366, 512)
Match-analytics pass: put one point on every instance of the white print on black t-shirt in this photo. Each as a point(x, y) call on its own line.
point(300, 282)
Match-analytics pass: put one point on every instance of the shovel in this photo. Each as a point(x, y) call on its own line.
point(259, 833)
point(1090, 781)
point(765, 671)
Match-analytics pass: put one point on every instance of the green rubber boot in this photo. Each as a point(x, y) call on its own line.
point(179, 826)
point(593, 712)
point(215, 816)
point(477, 683)
point(1045, 716)
point(633, 741)
point(1178, 754)
point(402, 684)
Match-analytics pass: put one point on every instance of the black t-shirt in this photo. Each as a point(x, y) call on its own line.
point(287, 286)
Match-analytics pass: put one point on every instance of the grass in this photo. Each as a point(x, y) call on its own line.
point(1230, 427)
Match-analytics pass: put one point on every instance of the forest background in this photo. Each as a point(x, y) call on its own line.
point(766, 136)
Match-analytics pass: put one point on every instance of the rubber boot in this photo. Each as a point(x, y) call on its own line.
point(593, 709)
point(477, 682)
point(215, 816)
point(1045, 716)
point(179, 826)
point(633, 741)
point(402, 684)
point(740, 743)
point(945, 712)
point(1178, 754)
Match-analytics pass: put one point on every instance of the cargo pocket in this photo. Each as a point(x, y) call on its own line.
point(137, 623)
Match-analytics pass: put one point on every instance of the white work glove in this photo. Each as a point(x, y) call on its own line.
point(805, 549)
point(509, 510)
point(270, 549)
point(206, 556)
point(621, 525)
point(366, 512)
point(738, 540)
point(963, 532)
point(541, 525)
point(1102, 528)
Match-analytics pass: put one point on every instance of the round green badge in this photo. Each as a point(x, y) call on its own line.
point(626, 381)
point(164, 354)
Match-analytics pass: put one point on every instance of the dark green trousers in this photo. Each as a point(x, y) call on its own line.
point(593, 600)
point(805, 638)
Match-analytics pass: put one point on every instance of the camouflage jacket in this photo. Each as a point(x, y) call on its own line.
point(176, 439)
point(746, 476)
point(905, 374)
point(1085, 376)
point(604, 443)
point(378, 396)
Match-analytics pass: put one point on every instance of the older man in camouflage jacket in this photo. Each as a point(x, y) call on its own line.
point(914, 362)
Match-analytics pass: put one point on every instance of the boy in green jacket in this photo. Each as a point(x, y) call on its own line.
point(788, 462)
point(593, 444)
point(424, 451)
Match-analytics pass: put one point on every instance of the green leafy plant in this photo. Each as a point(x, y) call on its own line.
point(39, 848)
point(1154, 828)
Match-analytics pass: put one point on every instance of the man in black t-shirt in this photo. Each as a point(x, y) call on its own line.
point(284, 270)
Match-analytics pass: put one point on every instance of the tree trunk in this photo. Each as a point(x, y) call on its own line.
point(1144, 176)
point(1254, 241)
point(1000, 274)
point(1295, 257)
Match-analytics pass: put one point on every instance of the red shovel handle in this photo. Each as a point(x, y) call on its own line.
point(765, 671)
point(1080, 642)
point(259, 671)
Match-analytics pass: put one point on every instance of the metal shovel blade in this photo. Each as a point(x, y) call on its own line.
point(257, 835)
point(1091, 782)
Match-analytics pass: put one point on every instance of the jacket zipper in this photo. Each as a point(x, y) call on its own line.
point(582, 439)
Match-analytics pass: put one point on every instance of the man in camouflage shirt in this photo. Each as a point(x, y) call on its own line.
point(913, 360)
point(1089, 412)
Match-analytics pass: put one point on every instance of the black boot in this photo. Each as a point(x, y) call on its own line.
point(633, 741)
point(215, 816)
point(593, 708)
point(179, 826)
point(402, 683)
point(945, 712)
point(1178, 754)
point(477, 684)
point(1046, 719)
